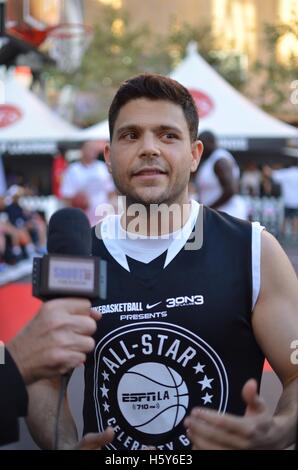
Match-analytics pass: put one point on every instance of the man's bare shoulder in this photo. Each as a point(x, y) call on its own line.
point(275, 316)
point(276, 268)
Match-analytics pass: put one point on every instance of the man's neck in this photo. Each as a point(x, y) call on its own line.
point(155, 220)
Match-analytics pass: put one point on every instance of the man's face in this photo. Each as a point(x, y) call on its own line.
point(151, 155)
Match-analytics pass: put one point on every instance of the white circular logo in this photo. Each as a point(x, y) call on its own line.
point(159, 399)
point(148, 377)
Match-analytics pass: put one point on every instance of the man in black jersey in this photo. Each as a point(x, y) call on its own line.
point(191, 306)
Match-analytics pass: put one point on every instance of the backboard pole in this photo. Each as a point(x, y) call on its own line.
point(2, 17)
point(3, 38)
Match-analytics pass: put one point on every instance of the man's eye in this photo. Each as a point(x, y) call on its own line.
point(129, 136)
point(170, 135)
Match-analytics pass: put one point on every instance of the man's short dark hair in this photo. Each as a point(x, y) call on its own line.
point(155, 87)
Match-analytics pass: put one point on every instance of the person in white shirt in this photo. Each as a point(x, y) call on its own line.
point(87, 184)
point(217, 179)
point(288, 179)
point(250, 180)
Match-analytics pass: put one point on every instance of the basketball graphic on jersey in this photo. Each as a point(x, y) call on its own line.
point(147, 378)
point(159, 399)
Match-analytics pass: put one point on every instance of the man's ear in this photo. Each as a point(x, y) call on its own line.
point(197, 148)
point(107, 156)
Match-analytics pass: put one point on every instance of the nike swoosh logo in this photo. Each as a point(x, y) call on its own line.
point(148, 306)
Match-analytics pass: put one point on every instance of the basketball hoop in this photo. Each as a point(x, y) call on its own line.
point(67, 44)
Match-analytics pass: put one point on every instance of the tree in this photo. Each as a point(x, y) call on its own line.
point(227, 63)
point(119, 51)
point(276, 76)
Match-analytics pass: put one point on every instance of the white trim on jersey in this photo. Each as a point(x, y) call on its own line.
point(256, 260)
point(120, 247)
point(184, 233)
point(120, 243)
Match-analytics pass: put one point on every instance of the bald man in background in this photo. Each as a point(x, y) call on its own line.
point(87, 184)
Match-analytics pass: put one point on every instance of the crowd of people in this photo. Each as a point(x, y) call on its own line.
point(260, 193)
point(22, 232)
point(83, 184)
point(273, 196)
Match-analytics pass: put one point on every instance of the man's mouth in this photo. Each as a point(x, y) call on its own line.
point(149, 172)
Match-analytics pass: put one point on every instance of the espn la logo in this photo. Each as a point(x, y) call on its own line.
point(145, 396)
point(184, 301)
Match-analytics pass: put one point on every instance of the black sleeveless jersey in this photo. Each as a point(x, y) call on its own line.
point(172, 338)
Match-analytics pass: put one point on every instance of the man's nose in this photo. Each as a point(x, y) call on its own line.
point(149, 145)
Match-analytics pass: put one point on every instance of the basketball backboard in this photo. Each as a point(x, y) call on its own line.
point(31, 19)
point(56, 24)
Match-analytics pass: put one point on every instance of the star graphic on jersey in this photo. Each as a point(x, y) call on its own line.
point(105, 375)
point(104, 391)
point(205, 382)
point(106, 406)
point(207, 398)
point(199, 367)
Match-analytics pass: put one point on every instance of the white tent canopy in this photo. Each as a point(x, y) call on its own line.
point(99, 131)
point(27, 125)
point(237, 122)
point(228, 113)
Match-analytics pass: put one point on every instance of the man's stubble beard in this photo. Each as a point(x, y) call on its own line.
point(164, 198)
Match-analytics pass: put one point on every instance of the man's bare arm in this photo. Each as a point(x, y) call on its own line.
point(43, 402)
point(43, 397)
point(275, 324)
point(224, 173)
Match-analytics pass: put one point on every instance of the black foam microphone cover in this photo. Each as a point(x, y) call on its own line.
point(69, 233)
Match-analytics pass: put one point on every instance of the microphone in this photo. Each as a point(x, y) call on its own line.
point(69, 270)
point(69, 233)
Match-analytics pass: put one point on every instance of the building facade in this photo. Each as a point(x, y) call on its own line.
point(238, 25)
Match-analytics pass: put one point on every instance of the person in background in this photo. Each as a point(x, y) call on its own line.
point(14, 240)
point(250, 180)
point(30, 223)
point(288, 180)
point(87, 184)
point(58, 169)
point(269, 187)
point(218, 178)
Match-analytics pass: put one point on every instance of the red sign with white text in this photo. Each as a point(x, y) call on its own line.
point(9, 114)
point(203, 102)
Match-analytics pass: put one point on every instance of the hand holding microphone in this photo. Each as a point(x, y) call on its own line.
point(56, 340)
point(59, 337)
point(69, 271)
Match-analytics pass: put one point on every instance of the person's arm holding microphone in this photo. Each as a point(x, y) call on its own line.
point(54, 342)
point(68, 270)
